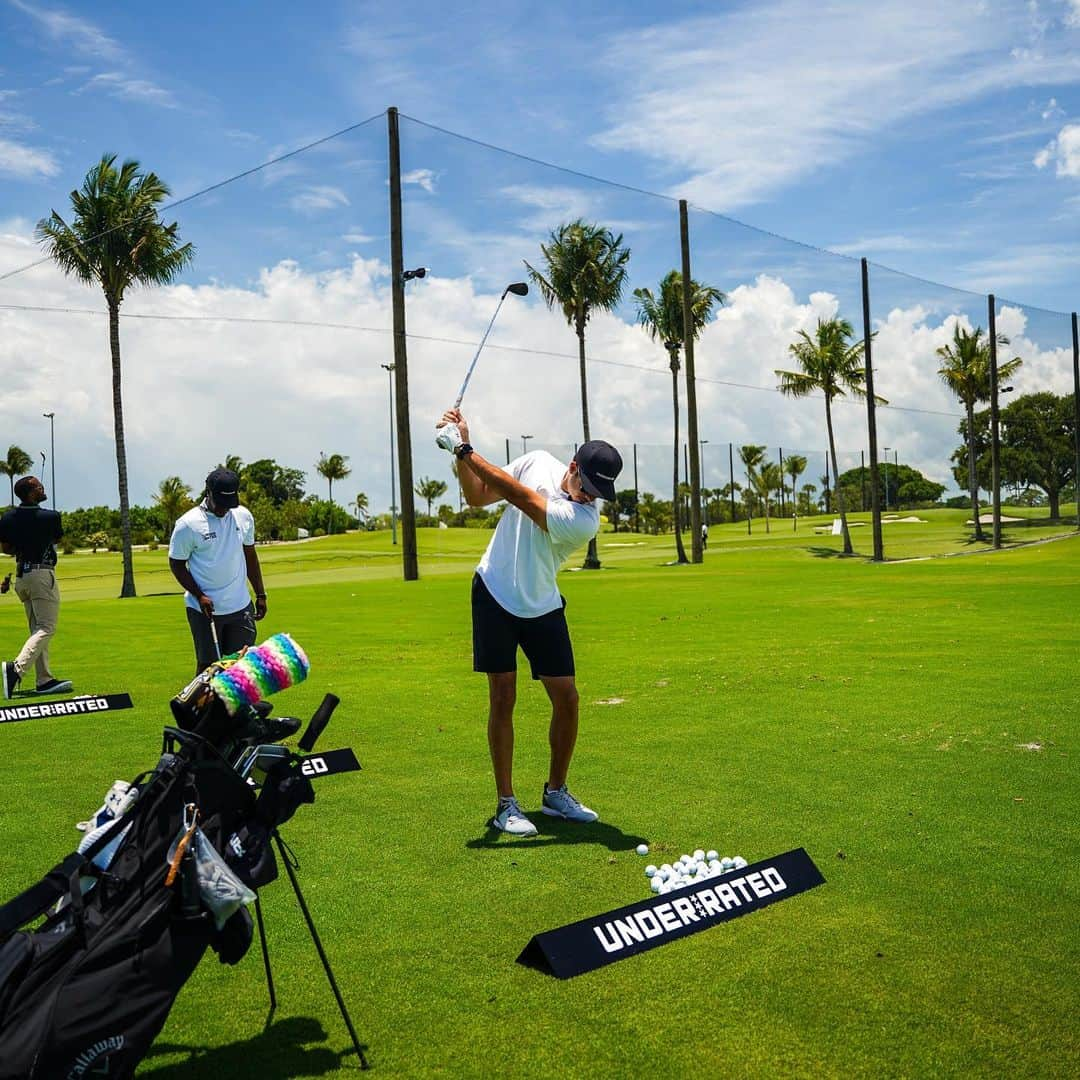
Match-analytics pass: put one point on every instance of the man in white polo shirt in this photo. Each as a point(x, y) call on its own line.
point(516, 601)
point(212, 555)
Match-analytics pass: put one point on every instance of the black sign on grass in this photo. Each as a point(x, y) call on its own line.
point(316, 766)
point(79, 706)
point(603, 939)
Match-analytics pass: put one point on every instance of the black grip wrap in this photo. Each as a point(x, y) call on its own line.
point(318, 722)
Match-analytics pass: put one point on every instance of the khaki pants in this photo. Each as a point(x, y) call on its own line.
point(40, 594)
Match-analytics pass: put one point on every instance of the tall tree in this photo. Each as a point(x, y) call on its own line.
point(332, 468)
point(1038, 447)
point(360, 505)
point(662, 317)
point(751, 456)
point(831, 365)
point(116, 240)
point(173, 496)
point(429, 490)
point(966, 372)
point(767, 480)
point(585, 271)
point(17, 463)
point(795, 466)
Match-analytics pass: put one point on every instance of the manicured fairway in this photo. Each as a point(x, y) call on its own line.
point(912, 725)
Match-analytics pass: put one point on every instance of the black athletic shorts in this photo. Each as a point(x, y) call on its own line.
point(497, 634)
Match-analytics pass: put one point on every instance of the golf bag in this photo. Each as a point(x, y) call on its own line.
point(128, 919)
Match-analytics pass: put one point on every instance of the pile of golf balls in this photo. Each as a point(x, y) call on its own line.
point(691, 869)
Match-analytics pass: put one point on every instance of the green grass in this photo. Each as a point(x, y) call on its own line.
point(774, 697)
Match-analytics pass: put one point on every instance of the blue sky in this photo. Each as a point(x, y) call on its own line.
point(942, 142)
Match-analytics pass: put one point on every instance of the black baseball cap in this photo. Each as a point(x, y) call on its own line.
point(223, 485)
point(599, 463)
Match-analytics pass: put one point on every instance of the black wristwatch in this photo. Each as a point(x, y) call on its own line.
point(463, 450)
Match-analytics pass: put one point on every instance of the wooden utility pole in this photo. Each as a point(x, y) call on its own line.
point(995, 446)
point(409, 563)
point(691, 389)
point(871, 416)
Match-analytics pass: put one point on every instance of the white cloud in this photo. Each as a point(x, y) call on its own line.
point(356, 237)
point(1064, 152)
point(753, 100)
point(118, 85)
point(1072, 14)
point(73, 32)
point(422, 178)
point(289, 391)
point(26, 162)
point(318, 197)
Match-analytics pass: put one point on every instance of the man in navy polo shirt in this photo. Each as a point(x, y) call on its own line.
point(516, 601)
point(30, 534)
point(212, 555)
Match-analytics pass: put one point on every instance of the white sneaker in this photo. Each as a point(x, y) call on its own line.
point(560, 803)
point(510, 818)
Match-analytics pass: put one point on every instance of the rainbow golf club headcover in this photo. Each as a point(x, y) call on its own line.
point(276, 664)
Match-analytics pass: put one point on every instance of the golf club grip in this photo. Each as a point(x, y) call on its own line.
point(318, 722)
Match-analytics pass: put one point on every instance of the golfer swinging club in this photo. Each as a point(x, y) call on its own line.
point(515, 599)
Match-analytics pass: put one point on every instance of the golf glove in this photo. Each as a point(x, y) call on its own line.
point(448, 437)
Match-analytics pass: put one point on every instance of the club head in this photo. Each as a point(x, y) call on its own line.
point(260, 759)
point(518, 288)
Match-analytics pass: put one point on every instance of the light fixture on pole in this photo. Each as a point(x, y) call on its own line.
point(524, 440)
point(419, 272)
point(389, 368)
point(51, 417)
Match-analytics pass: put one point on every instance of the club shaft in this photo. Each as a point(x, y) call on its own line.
point(468, 374)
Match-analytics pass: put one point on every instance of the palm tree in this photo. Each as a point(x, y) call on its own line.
point(832, 366)
point(360, 505)
point(751, 456)
point(430, 490)
point(966, 372)
point(332, 468)
point(174, 498)
point(586, 272)
point(767, 480)
point(662, 318)
point(795, 466)
point(116, 240)
point(17, 463)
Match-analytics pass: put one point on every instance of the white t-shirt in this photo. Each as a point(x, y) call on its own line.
point(213, 548)
point(521, 562)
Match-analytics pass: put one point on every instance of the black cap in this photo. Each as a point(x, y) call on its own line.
point(223, 486)
point(599, 464)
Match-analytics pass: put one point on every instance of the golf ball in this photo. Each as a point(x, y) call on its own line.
point(643, 849)
point(711, 856)
point(665, 888)
point(650, 870)
point(656, 884)
point(727, 863)
point(699, 855)
point(739, 862)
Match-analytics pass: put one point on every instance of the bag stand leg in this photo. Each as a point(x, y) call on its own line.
point(318, 946)
point(266, 959)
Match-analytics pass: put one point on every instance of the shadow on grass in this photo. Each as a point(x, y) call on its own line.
point(556, 831)
point(279, 1052)
point(833, 553)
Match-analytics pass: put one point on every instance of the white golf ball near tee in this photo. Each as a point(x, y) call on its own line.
point(643, 849)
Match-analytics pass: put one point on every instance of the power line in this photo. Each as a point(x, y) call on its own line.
point(213, 187)
point(309, 324)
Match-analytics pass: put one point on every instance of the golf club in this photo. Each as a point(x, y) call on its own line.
point(518, 288)
point(213, 634)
